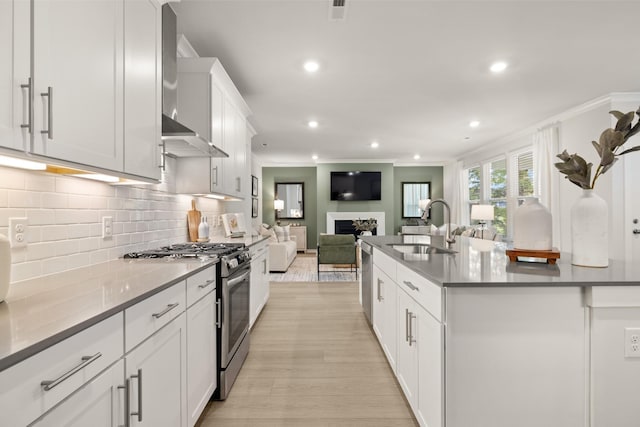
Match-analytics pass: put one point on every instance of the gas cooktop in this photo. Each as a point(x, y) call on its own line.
point(189, 250)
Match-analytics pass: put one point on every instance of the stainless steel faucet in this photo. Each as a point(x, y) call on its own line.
point(448, 237)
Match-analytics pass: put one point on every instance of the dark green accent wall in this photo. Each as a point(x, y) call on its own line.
point(317, 198)
point(431, 174)
point(307, 175)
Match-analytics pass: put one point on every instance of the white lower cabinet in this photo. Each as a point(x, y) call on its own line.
point(407, 321)
point(407, 363)
point(156, 378)
point(259, 280)
point(384, 313)
point(201, 355)
point(100, 403)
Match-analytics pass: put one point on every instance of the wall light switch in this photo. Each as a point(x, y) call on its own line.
point(107, 227)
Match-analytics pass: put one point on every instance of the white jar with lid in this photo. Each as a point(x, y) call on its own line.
point(5, 267)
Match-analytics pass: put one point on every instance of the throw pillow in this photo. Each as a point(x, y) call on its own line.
point(283, 233)
point(268, 232)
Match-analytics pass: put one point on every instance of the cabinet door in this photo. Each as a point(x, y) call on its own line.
point(142, 87)
point(78, 73)
point(384, 313)
point(430, 369)
point(217, 127)
point(14, 72)
point(156, 373)
point(240, 159)
point(407, 366)
point(98, 404)
point(201, 355)
point(259, 285)
point(229, 135)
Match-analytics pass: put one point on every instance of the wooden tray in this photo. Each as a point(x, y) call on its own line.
point(551, 256)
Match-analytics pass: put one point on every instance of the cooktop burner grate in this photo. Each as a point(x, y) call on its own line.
point(185, 250)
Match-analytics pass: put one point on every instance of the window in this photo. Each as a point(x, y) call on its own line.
point(502, 182)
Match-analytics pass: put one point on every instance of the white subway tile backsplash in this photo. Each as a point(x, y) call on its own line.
point(65, 218)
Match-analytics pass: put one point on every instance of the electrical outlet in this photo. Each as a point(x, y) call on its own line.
point(631, 342)
point(107, 227)
point(18, 232)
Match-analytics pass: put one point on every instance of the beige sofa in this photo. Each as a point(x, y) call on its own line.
point(282, 254)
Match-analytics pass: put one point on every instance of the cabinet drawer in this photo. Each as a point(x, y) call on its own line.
point(200, 284)
point(258, 249)
point(385, 263)
point(63, 367)
point(423, 291)
point(148, 316)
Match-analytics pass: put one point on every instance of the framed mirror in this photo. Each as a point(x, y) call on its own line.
point(412, 193)
point(292, 196)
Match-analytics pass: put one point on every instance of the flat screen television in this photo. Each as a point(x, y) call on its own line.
point(355, 185)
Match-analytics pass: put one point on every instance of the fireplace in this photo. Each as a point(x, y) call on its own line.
point(345, 226)
point(334, 217)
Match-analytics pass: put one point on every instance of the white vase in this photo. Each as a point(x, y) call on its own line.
point(532, 226)
point(590, 231)
point(5, 267)
point(366, 233)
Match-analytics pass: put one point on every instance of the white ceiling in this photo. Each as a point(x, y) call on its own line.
point(411, 74)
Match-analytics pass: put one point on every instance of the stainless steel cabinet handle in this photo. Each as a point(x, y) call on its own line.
point(238, 185)
point(214, 171)
point(86, 360)
point(264, 266)
point(406, 324)
point(127, 405)
point(411, 317)
point(163, 153)
point(207, 283)
point(166, 310)
point(29, 124)
point(411, 286)
point(380, 297)
point(49, 95)
point(218, 313)
point(138, 376)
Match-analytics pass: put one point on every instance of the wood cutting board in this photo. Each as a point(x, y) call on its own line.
point(193, 221)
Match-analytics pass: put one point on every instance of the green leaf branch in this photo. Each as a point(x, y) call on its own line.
point(578, 171)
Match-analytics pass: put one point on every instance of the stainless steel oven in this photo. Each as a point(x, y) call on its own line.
point(233, 320)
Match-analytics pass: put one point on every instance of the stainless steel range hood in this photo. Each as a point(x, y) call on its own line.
point(179, 140)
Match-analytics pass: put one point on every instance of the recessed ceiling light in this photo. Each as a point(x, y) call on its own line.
point(498, 67)
point(474, 123)
point(375, 144)
point(313, 124)
point(416, 156)
point(314, 157)
point(311, 66)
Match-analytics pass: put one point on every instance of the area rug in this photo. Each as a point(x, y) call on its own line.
point(304, 269)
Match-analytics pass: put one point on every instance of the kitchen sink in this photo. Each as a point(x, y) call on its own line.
point(420, 249)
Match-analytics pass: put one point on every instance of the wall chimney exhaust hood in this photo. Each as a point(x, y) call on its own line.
point(178, 140)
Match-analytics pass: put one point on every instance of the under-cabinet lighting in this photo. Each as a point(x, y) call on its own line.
point(97, 177)
point(13, 162)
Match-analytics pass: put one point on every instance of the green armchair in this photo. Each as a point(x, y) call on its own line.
point(337, 249)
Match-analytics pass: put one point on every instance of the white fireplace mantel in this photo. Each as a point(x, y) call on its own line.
point(333, 216)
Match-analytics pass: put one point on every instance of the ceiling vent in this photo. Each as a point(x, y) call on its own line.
point(338, 10)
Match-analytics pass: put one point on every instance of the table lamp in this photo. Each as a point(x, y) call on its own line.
point(482, 213)
point(278, 205)
point(422, 204)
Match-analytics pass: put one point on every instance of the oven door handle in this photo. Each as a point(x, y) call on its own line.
point(233, 282)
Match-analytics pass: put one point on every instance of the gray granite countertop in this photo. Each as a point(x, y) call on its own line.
point(41, 312)
point(484, 263)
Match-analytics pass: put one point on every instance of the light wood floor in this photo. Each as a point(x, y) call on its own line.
point(313, 362)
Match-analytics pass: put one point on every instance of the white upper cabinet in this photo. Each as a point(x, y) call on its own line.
point(210, 104)
point(142, 87)
point(82, 82)
point(78, 81)
point(14, 75)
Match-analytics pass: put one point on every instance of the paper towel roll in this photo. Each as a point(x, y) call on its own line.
point(5, 266)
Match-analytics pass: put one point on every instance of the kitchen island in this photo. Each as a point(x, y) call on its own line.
point(476, 340)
